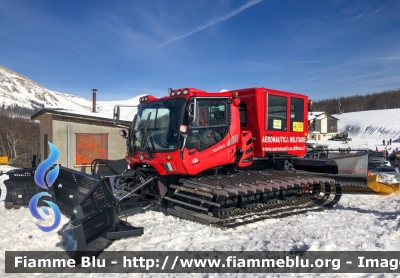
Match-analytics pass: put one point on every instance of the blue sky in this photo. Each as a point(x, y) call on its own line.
point(323, 49)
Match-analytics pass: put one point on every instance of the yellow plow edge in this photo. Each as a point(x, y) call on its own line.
point(381, 187)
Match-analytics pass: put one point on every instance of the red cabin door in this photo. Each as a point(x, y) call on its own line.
point(207, 144)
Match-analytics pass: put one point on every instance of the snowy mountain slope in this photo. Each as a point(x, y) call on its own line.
point(372, 126)
point(18, 90)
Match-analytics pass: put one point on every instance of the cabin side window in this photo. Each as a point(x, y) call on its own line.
point(242, 112)
point(276, 113)
point(296, 114)
point(211, 124)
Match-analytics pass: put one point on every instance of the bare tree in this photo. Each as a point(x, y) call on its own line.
point(19, 140)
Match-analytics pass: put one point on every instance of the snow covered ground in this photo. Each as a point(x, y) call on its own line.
point(357, 223)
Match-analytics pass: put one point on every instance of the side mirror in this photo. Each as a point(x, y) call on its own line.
point(116, 115)
point(310, 105)
point(192, 110)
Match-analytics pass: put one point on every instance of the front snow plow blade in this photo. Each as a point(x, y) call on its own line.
point(21, 187)
point(95, 219)
point(381, 187)
point(87, 200)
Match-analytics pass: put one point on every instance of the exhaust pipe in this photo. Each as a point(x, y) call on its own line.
point(94, 100)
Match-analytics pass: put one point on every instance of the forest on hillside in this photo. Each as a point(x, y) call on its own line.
point(377, 101)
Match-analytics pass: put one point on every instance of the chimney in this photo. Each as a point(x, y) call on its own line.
point(94, 100)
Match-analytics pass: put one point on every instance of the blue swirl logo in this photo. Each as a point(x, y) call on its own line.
point(45, 165)
point(40, 176)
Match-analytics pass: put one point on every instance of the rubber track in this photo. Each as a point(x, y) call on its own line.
point(353, 184)
point(325, 193)
point(279, 212)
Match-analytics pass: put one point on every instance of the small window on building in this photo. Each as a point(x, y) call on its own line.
point(91, 146)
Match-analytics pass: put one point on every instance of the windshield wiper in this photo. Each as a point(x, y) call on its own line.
point(145, 142)
point(132, 136)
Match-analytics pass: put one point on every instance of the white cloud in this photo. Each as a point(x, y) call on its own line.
point(214, 21)
point(298, 62)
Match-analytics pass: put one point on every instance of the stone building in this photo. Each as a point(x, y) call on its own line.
point(81, 137)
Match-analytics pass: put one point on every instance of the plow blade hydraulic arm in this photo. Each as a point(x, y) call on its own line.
point(96, 220)
point(87, 200)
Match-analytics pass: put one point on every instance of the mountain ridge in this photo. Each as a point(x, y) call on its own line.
point(17, 90)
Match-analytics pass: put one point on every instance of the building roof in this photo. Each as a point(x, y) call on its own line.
point(318, 116)
point(73, 114)
point(81, 115)
point(314, 115)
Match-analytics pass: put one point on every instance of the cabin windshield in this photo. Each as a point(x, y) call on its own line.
point(157, 125)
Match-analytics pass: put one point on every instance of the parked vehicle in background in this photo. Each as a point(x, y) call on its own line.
point(390, 170)
point(375, 159)
point(374, 164)
point(344, 136)
point(378, 162)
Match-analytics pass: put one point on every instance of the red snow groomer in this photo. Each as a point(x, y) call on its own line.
point(222, 159)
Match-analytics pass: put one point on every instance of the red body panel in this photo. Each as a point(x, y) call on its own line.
point(158, 162)
point(270, 141)
point(289, 140)
point(222, 153)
